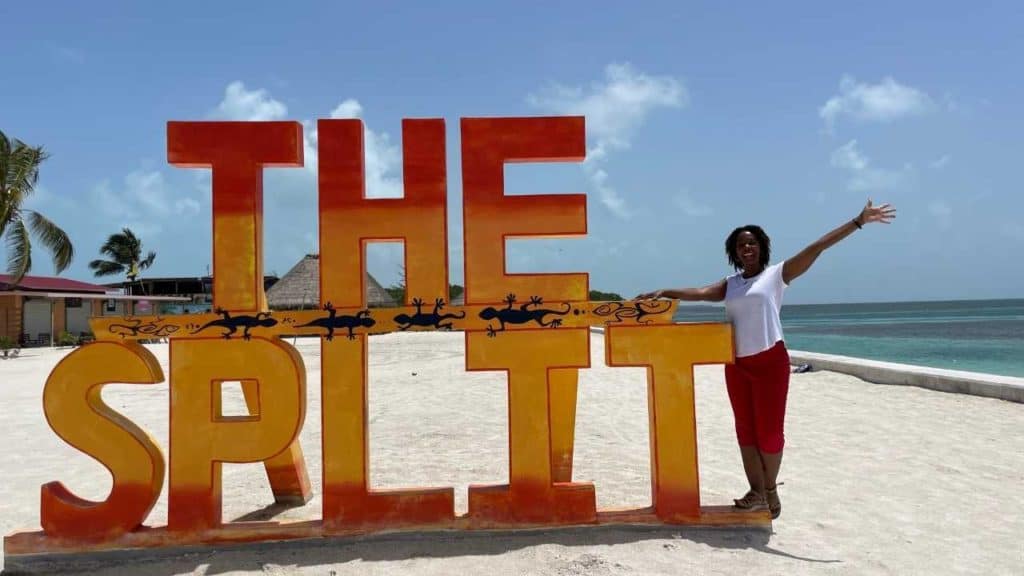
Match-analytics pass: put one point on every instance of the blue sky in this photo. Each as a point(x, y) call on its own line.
point(699, 119)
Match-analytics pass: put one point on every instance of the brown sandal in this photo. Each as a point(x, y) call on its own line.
point(774, 505)
point(751, 501)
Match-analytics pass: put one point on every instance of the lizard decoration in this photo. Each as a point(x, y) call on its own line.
point(153, 328)
point(233, 323)
point(414, 317)
point(621, 312)
point(434, 319)
point(522, 315)
point(333, 321)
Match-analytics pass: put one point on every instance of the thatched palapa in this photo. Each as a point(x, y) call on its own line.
point(300, 288)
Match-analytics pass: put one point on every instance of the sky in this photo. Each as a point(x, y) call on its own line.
point(699, 117)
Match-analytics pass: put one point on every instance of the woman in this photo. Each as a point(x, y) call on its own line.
point(758, 381)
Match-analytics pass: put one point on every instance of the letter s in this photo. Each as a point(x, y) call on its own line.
point(77, 413)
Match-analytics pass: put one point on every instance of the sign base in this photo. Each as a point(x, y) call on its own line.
point(34, 552)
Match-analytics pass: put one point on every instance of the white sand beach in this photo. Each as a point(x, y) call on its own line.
point(877, 479)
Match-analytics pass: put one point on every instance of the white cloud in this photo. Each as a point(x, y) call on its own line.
point(940, 163)
point(242, 104)
point(883, 102)
point(617, 106)
point(294, 191)
point(142, 202)
point(863, 177)
point(685, 202)
point(145, 202)
point(383, 159)
point(608, 196)
point(614, 109)
point(186, 206)
point(348, 109)
point(147, 189)
point(849, 157)
point(42, 199)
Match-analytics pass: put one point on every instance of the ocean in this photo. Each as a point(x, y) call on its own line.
point(975, 335)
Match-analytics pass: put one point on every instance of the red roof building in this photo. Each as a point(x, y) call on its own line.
point(50, 284)
point(39, 309)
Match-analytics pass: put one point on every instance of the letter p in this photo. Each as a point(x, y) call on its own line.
point(202, 438)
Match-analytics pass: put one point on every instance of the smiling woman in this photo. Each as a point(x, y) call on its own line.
point(758, 381)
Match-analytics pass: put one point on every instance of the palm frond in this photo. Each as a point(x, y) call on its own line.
point(122, 247)
point(106, 268)
point(5, 153)
point(148, 261)
point(19, 251)
point(55, 239)
point(23, 170)
point(8, 213)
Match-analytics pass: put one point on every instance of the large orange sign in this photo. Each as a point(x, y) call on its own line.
point(533, 327)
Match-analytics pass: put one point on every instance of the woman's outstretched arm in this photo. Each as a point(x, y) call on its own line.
point(797, 265)
point(711, 293)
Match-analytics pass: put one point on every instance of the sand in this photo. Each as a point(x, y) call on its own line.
point(877, 479)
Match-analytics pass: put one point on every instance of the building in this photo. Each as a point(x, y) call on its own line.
point(37, 310)
point(299, 289)
point(194, 294)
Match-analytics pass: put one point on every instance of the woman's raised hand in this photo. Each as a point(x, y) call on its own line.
point(884, 213)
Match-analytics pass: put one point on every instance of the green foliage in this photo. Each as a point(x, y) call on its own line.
point(6, 343)
point(19, 172)
point(397, 292)
point(454, 291)
point(124, 250)
point(67, 339)
point(597, 295)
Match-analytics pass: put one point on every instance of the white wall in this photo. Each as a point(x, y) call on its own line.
point(76, 320)
point(38, 317)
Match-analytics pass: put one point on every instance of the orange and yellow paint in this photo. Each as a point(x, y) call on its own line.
point(540, 340)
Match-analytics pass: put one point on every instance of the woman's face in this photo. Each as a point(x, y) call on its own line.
point(749, 250)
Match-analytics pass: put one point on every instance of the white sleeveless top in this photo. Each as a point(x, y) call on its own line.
point(753, 306)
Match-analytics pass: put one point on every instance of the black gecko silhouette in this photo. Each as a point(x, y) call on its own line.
point(332, 321)
point(433, 319)
point(621, 312)
point(522, 315)
point(233, 323)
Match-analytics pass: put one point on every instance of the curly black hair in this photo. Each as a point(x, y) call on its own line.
point(762, 239)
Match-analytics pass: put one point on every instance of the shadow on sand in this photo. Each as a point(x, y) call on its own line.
point(398, 547)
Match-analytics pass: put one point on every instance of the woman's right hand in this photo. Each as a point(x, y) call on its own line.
point(650, 295)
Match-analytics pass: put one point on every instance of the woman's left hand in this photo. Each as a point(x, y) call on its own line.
point(883, 213)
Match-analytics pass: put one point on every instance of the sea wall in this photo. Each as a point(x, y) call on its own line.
point(956, 381)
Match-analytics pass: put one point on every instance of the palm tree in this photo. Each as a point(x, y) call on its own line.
point(125, 252)
point(19, 172)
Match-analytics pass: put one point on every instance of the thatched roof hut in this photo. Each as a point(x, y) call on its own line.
point(300, 288)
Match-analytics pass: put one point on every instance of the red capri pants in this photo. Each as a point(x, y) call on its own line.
point(758, 386)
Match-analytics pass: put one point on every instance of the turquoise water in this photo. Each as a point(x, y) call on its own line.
point(975, 335)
